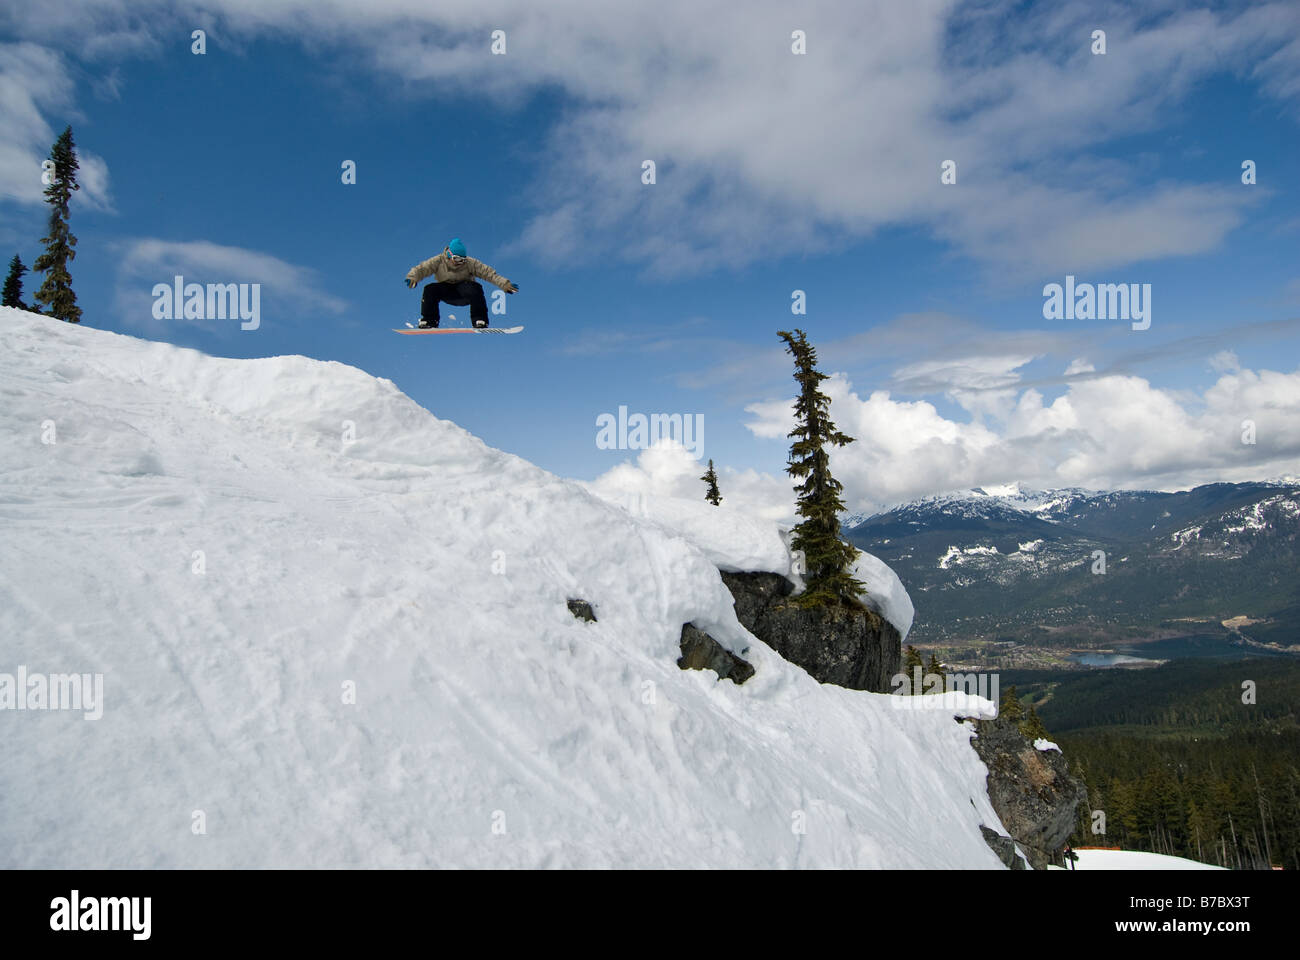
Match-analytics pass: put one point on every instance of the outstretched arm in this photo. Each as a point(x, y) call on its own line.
point(420, 271)
point(484, 272)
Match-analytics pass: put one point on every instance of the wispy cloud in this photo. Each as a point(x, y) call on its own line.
point(758, 149)
point(289, 292)
point(930, 354)
point(910, 353)
point(656, 339)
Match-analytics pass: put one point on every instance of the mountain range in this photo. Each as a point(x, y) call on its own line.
point(1074, 568)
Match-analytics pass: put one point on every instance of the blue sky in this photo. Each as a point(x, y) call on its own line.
point(776, 172)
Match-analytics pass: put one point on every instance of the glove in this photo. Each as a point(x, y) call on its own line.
point(512, 287)
point(410, 284)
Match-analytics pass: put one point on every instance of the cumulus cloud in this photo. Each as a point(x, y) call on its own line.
point(1108, 431)
point(667, 469)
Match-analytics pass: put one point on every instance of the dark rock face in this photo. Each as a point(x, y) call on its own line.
point(701, 652)
point(581, 609)
point(1004, 847)
point(854, 648)
point(1031, 790)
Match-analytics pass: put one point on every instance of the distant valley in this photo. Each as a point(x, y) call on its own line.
point(1048, 579)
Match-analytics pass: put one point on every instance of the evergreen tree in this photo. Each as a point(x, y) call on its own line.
point(1032, 726)
point(1009, 708)
point(935, 667)
point(13, 289)
point(911, 661)
point(60, 244)
point(711, 478)
point(827, 558)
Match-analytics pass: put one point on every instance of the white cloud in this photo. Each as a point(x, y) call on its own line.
point(978, 384)
point(288, 291)
point(667, 469)
point(761, 151)
point(1105, 432)
point(961, 373)
point(35, 84)
point(1225, 361)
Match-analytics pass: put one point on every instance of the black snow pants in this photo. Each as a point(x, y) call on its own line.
point(466, 293)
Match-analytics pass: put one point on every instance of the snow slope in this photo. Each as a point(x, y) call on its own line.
point(200, 533)
point(1135, 860)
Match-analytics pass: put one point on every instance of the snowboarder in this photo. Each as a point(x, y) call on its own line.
point(454, 273)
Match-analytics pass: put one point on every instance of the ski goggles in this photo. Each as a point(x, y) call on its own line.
point(455, 259)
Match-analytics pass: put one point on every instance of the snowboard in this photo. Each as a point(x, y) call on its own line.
point(412, 328)
point(458, 330)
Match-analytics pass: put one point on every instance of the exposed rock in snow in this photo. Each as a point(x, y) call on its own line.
point(848, 647)
point(739, 543)
point(1032, 790)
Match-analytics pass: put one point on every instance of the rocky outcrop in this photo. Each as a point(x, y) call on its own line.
point(1031, 790)
point(850, 647)
point(701, 652)
point(1004, 847)
point(581, 609)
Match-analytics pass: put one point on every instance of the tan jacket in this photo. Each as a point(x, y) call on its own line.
point(443, 271)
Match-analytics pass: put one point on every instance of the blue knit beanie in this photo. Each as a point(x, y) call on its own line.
point(456, 247)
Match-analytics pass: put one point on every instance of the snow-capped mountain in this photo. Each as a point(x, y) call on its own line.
point(1071, 565)
point(317, 649)
point(1075, 507)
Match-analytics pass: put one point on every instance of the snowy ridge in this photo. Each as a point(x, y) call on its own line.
point(1252, 518)
point(358, 653)
point(737, 542)
point(1049, 505)
point(979, 501)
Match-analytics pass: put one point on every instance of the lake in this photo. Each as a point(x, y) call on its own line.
point(1216, 647)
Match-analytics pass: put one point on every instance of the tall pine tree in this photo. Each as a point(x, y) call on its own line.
point(1032, 726)
point(1009, 708)
point(914, 668)
point(60, 244)
point(711, 478)
point(827, 559)
point(935, 668)
point(13, 290)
